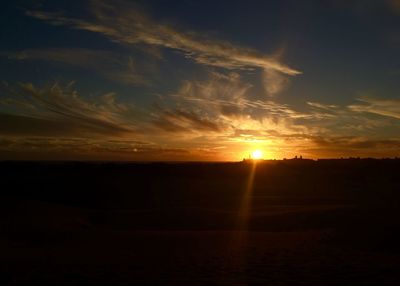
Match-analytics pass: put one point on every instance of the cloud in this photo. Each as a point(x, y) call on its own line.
point(222, 109)
point(56, 122)
point(55, 105)
point(364, 117)
point(178, 120)
point(229, 96)
point(28, 126)
point(213, 116)
point(65, 148)
point(58, 110)
point(380, 106)
point(318, 105)
point(110, 66)
point(274, 82)
point(124, 23)
point(354, 146)
point(200, 113)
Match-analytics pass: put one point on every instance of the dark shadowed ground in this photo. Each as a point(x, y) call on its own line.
point(293, 222)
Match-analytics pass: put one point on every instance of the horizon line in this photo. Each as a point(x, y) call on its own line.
point(191, 161)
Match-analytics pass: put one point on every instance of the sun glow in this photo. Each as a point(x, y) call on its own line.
point(257, 154)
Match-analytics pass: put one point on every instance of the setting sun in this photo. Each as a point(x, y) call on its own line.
point(257, 154)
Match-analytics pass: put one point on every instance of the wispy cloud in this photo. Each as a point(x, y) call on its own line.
point(57, 105)
point(179, 120)
point(67, 148)
point(230, 96)
point(353, 146)
point(202, 115)
point(274, 82)
point(358, 143)
point(56, 122)
point(318, 105)
point(212, 116)
point(123, 22)
point(106, 63)
point(380, 106)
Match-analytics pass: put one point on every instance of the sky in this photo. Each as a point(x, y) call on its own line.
point(194, 80)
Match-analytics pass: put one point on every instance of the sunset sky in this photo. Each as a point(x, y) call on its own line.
point(199, 80)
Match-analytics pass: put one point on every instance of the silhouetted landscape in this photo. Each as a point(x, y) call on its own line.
point(300, 222)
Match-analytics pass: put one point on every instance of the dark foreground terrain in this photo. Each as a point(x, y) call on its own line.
point(293, 222)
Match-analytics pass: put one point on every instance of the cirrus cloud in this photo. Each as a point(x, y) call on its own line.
point(106, 63)
point(380, 106)
point(134, 28)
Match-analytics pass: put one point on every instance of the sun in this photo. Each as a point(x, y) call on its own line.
point(257, 154)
